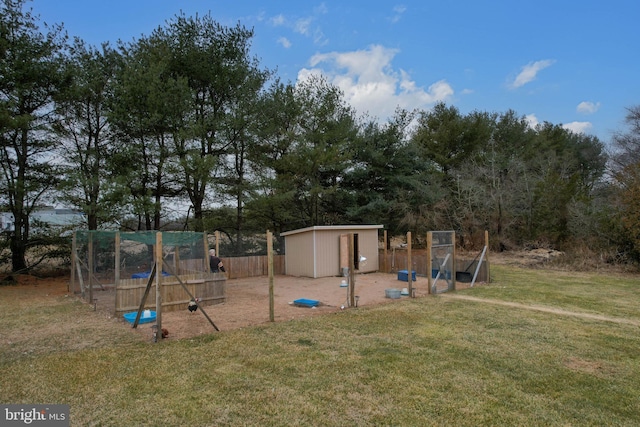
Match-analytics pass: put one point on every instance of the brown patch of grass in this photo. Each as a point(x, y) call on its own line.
point(592, 367)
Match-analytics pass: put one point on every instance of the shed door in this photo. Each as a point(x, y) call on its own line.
point(344, 252)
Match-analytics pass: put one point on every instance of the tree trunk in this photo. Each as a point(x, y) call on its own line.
point(198, 225)
point(17, 243)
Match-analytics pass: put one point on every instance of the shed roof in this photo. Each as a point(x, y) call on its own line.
point(331, 228)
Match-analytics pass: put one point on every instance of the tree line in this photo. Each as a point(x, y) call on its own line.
point(185, 124)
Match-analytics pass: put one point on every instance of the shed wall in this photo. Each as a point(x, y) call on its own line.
point(316, 252)
point(299, 255)
point(327, 252)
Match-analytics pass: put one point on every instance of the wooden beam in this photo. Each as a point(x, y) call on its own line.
point(352, 272)
point(385, 263)
point(409, 265)
point(429, 260)
point(159, 264)
point(90, 267)
point(270, 270)
point(74, 255)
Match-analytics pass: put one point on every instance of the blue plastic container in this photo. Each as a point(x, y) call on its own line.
point(404, 275)
point(147, 316)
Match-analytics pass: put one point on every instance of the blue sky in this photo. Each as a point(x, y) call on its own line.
point(564, 62)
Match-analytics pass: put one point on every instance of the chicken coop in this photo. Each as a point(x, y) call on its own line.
point(128, 268)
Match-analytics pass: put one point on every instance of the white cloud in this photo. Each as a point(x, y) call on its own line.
point(321, 9)
point(278, 20)
point(529, 72)
point(398, 10)
point(532, 120)
point(284, 42)
point(306, 26)
point(302, 26)
point(578, 127)
point(588, 107)
point(371, 85)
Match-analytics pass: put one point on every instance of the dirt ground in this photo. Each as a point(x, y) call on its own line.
point(247, 301)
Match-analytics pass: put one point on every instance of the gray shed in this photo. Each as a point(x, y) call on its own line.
point(319, 251)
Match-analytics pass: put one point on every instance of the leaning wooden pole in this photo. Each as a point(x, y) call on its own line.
point(270, 270)
point(191, 296)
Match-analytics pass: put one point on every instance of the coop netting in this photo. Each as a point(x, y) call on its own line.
point(442, 260)
point(102, 257)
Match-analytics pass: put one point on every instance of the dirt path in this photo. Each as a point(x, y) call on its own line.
point(543, 309)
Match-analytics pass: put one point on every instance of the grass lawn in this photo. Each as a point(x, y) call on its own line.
point(436, 360)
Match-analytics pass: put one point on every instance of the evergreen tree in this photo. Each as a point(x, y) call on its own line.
point(83, 130)
point(31, 66)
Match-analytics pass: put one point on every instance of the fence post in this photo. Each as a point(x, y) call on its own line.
point(488, 266)
point(385, 264)
point(409, 265)
point(270, 270)
point(158, 261)
point(352, 272)
point(429, 260)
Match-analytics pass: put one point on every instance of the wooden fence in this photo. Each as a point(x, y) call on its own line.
point(208, 287)
point(255, 266)
point(252, 266)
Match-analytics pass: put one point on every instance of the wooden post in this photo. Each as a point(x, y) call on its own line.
point(205, 241)
point(486, 244)
point(90, 267)
point(429, 260)
point(453, 261)
point(117, 259)
point(176, 260)
point(270, 270)
point(158, 259)
point(217, 233)
point(72, 282)
point(352, 272)
point(410, 265)
point(385, 263)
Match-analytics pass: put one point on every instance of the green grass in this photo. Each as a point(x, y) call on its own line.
point(428, 361)
point(604, 294)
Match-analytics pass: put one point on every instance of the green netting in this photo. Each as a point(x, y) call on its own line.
point(169, 238)
point(102, 256)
